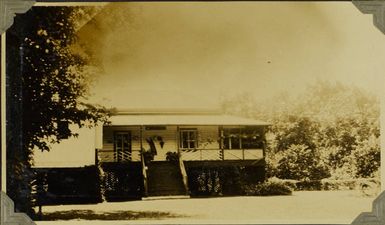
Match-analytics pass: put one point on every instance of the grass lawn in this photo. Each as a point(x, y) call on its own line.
point(302, 207)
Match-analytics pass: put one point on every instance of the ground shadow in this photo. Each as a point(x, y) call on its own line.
point(114, 215)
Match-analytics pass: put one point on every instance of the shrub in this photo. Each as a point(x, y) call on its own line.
point(76, 185)
point(270, 187)
point(301, 163)
point(368, 157)
point(364, 184)
point(332, 185)
point(205, 181)
point(223, 180)
point(172, 156)
point(351, 184)
point(369, 187)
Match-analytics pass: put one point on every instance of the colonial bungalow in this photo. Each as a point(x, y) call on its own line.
point(159, 153)
point(193, 139)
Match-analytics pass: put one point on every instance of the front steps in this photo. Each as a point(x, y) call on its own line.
point(165, 179)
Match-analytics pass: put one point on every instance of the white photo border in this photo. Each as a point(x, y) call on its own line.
point(9, 9)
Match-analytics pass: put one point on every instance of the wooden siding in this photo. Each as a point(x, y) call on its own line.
point(208, 147)
point(108, 140)
point(208, 136)
point(208, 144)
point(169, 138)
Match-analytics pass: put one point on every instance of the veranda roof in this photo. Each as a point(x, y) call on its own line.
point(199, 119)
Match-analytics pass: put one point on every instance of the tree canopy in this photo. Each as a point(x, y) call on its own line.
point(329, 131)
point(48, 84)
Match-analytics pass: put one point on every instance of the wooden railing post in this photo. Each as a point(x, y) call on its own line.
point(144, 173)
point(264, 142)
point(221, 133)
point(96, 157)
point(184, 174)
point(142, 159)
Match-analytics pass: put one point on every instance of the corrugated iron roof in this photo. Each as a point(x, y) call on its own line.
point(183, 119)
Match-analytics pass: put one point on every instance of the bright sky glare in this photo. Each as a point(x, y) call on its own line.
point(191, 54)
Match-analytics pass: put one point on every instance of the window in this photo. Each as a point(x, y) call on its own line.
point(122, 146)
point(188, 139)
point(231, 139)
point(252, 137)
point(243, 138)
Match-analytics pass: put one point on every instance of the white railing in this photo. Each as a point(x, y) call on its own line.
point(184, 174)
point(120, 156)
point(201, 154)
point(219, 154)
point(252, 154)
point(186, 155)
point(144, 174)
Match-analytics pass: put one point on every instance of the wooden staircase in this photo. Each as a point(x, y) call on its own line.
point(165, 179)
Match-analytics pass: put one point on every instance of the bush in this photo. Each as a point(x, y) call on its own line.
point(368, 157)
point(77, 185)
point(270, 187)
point(205, 181)
point(223, 180)
point(304, 185)
point(363, 184)
point(172, 156)
point(351, 184)
point(301, 163)
point(334, 185)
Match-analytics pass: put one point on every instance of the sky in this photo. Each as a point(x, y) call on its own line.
point(192, 54)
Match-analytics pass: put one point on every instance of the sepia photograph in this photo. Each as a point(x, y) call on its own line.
point(193, 112)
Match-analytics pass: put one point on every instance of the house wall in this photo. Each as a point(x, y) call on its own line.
point(207, 139)
point(169, 137)
point(208, 136)
point(108, 139)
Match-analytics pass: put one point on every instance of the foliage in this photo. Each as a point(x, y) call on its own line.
point(48, 90)
point(55, 80)
point(296, 130)
point(368, 157)
point(366, 185)
point(205, 181)
point(300, 163)
point(172, 156)
point(69, 185)
point(101, 178)
point(269, 187)
point(329, 130)
point(362, 184)
point(223, 180)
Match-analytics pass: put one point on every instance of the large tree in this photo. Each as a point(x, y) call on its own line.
point(333, 126)
point(48, 81)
